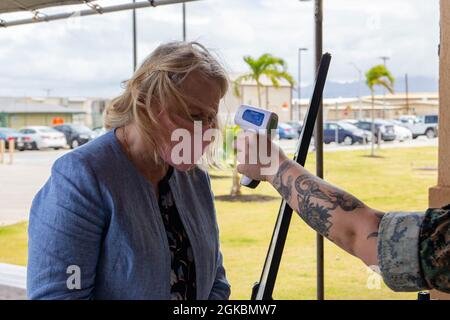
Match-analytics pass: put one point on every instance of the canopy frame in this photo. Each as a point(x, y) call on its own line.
point(94, 9)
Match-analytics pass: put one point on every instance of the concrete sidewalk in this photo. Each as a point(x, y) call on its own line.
point(21, 181)
point(12, 282)
point(10, 293)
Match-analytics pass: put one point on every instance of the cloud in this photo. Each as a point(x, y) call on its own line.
point(92, 55)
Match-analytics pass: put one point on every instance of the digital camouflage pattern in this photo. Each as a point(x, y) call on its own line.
point(435, 248)
point(414, 250)
point(398, 251)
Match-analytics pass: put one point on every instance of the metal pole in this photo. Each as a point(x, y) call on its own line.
point(359, 88)
point(318, 17)
point(359, 93)
point(90, 12)
point(384, 58)
point(407, 93)
point(184, 21)
point(299, 82)
point(134, 39)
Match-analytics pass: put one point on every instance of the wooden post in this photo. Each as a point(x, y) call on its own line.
point(11, 146)
point(439, 195)
point(2, 151)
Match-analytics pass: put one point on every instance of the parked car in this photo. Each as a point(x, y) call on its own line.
point(44, 137)
point(343, 132)
point(76, 135)
point(7, 134)
point(401, 132)
point(285, 131)
point(421, 125)
point(386, 131)
point(297, 125)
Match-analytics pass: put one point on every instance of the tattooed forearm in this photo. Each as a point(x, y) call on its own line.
point(374, 234)
point(346, 201)
point(329, 210)
point(318, 215)
point(284, 189)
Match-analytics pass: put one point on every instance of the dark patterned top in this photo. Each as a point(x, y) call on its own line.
point(182, 276)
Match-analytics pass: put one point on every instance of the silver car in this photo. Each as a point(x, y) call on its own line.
point(44, 137)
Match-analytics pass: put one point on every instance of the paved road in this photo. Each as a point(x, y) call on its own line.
point(289, 146)
point(20, 182)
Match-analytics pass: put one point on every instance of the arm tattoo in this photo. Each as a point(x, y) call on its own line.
point(374, 234)
point(283, 189)
point(317, 215)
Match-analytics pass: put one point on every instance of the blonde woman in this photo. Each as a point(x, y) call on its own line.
point(119, 218)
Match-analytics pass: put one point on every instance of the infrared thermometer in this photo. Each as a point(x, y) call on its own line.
point(252, 118)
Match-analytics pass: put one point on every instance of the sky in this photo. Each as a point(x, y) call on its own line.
point(91, 56)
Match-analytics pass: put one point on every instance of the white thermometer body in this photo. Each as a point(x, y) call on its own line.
point(252, 118)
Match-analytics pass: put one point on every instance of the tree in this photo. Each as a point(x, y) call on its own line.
point(378, 76)
point(230, 153)
point(266, 65)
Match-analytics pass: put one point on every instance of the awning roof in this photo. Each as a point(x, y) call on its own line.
point(28, 5)
point(91, 7)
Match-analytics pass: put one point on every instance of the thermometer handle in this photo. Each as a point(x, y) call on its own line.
point(249, 183)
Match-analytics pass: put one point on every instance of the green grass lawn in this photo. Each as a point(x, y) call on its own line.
point(394, 181)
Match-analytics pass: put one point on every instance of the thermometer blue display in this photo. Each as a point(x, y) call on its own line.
point(253, 117)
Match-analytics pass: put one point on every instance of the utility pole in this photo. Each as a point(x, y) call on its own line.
point(359, 88)
point(134, 39)
point(184, 21)
point(299, 82)
point(384, 58)
point(407, 93)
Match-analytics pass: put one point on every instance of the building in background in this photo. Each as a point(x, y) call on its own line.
point(274, 99)
point(17, 112)
point(391, 106)
point(17, 116)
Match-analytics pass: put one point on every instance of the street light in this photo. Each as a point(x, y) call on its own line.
point(299, 81)
point(384, 58)
point(359, 88)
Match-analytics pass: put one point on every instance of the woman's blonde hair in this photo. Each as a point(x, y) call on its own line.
point(155, 86)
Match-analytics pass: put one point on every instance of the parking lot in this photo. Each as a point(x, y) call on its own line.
point(20, 181)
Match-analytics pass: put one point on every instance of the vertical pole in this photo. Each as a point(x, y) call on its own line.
point(300, 50)
point(318, 16)
point(359, 93)
point(2, 151)
point(11, 146)
point(134, 39)
point(336, 130)
point(299, 105)
point(184, 21)
point(384, 58)
point(407, 93)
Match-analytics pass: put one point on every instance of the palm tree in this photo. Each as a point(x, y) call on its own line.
point(378, 76)
point(266, 65)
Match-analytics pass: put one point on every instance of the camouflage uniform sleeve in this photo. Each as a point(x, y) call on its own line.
point(434, 249)
point(398, 251)
point(414, 250)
